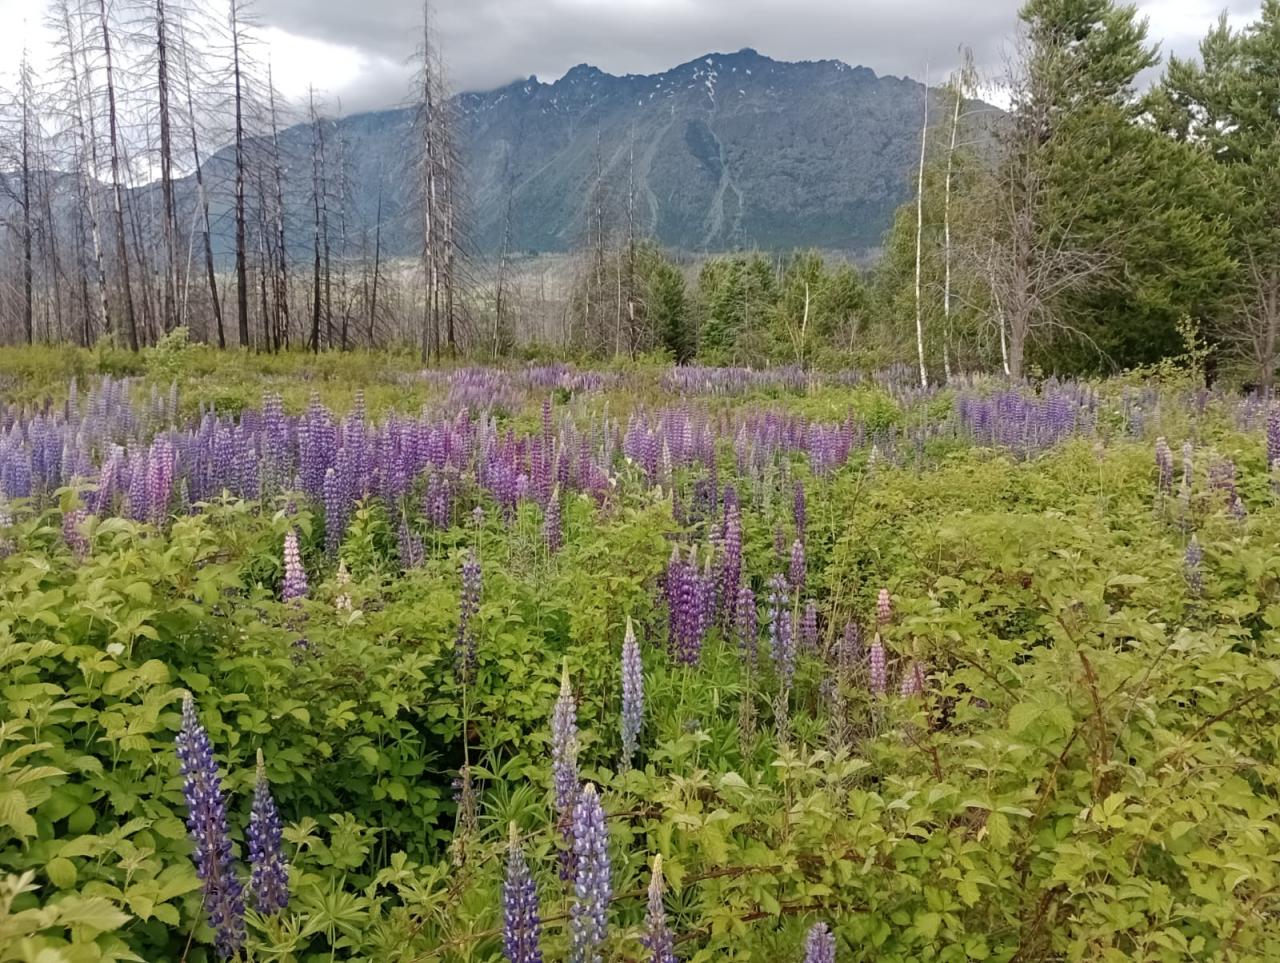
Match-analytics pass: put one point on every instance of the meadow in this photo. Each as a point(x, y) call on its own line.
point(337, 658)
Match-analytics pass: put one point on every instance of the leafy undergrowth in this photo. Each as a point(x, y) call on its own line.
point(1070, 753)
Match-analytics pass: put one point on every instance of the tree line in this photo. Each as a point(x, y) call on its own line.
point(1087, 226)
point(153, 146)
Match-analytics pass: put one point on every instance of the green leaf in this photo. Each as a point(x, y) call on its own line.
point(61, 872)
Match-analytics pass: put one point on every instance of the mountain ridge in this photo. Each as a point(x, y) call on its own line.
point(724, 151)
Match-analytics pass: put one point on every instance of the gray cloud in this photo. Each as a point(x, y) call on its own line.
point(486, 43)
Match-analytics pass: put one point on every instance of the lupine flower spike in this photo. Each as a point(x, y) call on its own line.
point(592, 887)
point(295, 576)
point(564, 746)
point(876, 667)
point(1164, 466)
point(342, 601)
point(207, 821)
point(657, 937)
point(1194, 572)
point(884, 608)
point(270, 876)
point(820, 945)
point(632, 695)
point(466, 655)
point(521, 923)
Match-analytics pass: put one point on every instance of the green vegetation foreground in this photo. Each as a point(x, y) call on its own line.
point(641, 664)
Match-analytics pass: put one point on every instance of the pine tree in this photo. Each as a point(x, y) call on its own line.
point(1225, 108)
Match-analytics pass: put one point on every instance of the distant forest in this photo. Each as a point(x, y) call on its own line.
point(1091, 227)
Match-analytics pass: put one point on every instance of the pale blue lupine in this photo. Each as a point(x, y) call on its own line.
point(270, 873)
point(1193, 563)
point(295, 576)
point(592, 886)
point(521, 922)
point(657, 937)
point(207, 821)
point(820, 945)
point(564, 746)
point(632, 695)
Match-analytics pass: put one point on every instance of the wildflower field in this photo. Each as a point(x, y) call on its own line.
point(308, 662)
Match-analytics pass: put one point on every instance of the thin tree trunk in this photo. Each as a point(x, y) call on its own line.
point(207, 228)
point(282, 259)
point(117, 185)
point(242, 267)
point(316, 189)
point(946, 241)
point(169, 313)
point(28, 272)
point(377, 266)
point(87, 137)
point(924, 137)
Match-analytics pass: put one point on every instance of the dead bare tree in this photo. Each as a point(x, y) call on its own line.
point(1029, 247)
point(18, 164)
point(77, 94)
point(238, 79)
point(117, 176)
point(320, 227)
point(924, 141)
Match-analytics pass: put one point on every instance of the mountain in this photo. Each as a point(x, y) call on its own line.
point(726, 151)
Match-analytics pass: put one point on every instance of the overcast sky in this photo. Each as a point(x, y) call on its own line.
point(358, 51)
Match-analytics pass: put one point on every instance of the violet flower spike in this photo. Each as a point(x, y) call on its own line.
point(207, 822)
point(592, 887)
point(876, 662)
point(884, 607)
point(796, 572)
point(466, 654)
point(657, 938)
point(1192, 565)
point(295, 576)
point(632, 695)
point(820, 945)
point(521, 922)
point(270, 873)
point(564, 746)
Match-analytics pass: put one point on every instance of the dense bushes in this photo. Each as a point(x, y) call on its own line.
point(1089, 771)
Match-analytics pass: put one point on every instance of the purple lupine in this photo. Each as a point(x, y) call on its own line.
point(632, 695)
point(592, 887)
point(690, 606)
point(72, 531)
point(796, 571)
point(850, 650)
point(1164, 466)
point(295, 576)
point(912, 681)
point(564, 746)
point(745, 626)
point(730, 559)
point(1273, 435)
point(781, 639)
point(552, 533)
point(207, 822)
point(884, 608)
point(270, 873)
point(820, 945)
point(521, 922)
point(1192, 565)
point(409, 546)
point(876, 664)
point(809, 627)
point(1187, 465)
point(657, 938)
point(799, 510)
point(466, 653)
